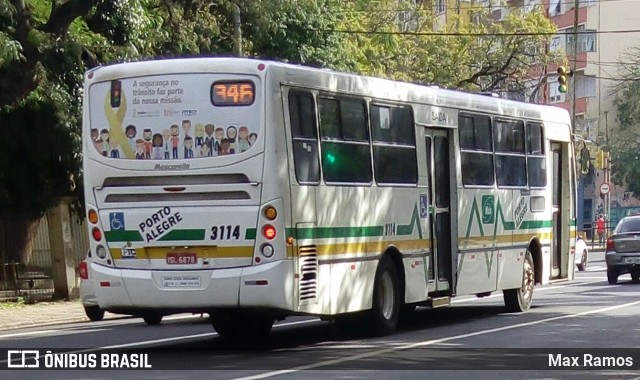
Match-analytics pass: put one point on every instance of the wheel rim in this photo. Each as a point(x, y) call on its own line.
point(528, 281)
point(387, 297)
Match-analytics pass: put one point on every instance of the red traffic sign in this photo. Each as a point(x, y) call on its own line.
point(605, 188)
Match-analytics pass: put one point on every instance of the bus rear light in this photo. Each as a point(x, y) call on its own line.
point(261, 66)
point(93, 216)
point(105, 283)
point(101, 252)
point(290, 240)
point(269, 231)
point(83, 270)
point(610, 245)
point(270, 213)
point(267, 250)
point(96, 233)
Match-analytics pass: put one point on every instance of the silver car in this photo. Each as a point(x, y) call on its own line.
point(623, 250)
point(87, 294)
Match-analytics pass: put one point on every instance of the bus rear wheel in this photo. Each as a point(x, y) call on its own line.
point(386, 298)
point(152, 318)
point(232, 325)
point(520, 299)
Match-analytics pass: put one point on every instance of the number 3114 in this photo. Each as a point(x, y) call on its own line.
point(225, 232)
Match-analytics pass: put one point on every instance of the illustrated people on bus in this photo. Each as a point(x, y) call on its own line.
point(115, 149)
point(208, 141)
point(140, 149)
point(232, 133)
point(100, 147)
point(600, 229)
point(225, 147)
point(94, 134)
point(218, 136)
point(205, 151)
point(243, 139)
point(175, 140)
point(198, 141)
point(166, 136)
point(252, 138)
point(131, 133)
point(186, 127)
point(104, 135)
point(148, 144)
point(158, 146)
point(188, 147)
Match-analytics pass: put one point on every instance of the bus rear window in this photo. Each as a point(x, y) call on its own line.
point(173, 117)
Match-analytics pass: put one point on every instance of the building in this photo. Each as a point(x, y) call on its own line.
point(600, 47)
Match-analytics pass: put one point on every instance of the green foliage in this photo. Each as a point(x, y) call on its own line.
point(38, 155)
point(624, 145)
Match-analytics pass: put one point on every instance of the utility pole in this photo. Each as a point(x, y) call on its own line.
point(237, 31)
point(607, 168)
point(575, 64)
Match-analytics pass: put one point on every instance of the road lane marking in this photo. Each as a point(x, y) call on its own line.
point(432, 342)
point(42, 332)
point(552, 287)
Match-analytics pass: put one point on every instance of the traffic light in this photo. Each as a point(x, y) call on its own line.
point(116, 92)
point(600, 159)
point(563, 83)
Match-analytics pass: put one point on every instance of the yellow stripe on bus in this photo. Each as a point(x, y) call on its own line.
point(202, 251)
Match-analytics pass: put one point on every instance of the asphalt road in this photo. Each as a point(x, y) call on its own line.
point(474, 338)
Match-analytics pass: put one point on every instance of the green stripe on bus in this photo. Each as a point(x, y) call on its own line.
point(526, 224)
point(174, 235)
point(123, 235)
point(251, 234)
point(338, 232)
point(183, 235)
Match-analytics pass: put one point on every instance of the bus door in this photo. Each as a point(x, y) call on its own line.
point(556, 240)
point(443, 258)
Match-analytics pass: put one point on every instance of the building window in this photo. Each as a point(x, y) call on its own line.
point(441, 6)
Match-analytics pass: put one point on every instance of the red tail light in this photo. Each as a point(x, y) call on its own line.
point(96, 233)
point(269, 231)
point(83, 270)
point(610, 245)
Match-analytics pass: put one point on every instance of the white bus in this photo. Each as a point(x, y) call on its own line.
point(255, 190)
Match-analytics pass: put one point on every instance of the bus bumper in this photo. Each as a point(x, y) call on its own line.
point(268, 285)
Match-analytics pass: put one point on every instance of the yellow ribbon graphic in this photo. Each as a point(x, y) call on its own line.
point(115, 119)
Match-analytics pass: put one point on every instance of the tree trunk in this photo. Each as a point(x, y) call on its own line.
point(16, 240)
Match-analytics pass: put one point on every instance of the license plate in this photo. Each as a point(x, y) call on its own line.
point(181, 258)
point(632, 260)
point(181, 282)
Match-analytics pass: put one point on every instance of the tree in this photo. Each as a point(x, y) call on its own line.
point(473, 52)
point(624, 145)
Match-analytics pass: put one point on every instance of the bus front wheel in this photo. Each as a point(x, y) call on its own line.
point(386, 298)
point(518, 300)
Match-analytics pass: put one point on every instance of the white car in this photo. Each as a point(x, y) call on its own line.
point(581, 253)
point(90, 300)
point(87, 294)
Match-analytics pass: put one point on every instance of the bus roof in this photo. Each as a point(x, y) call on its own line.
point(330, 80)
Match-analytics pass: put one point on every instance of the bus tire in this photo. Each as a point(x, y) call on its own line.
point(234, 326)
point(520, 299)
point(152, 318)
point(385, 312)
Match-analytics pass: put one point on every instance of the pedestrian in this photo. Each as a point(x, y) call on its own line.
point(600, 229)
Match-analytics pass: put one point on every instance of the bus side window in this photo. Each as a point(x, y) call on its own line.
point(305, 137)
point(394, 145)
point(475, 136)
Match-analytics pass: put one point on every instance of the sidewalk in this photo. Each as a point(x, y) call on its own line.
point(15, 315)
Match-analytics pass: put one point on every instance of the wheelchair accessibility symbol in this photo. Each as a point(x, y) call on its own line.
point(116, 221)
